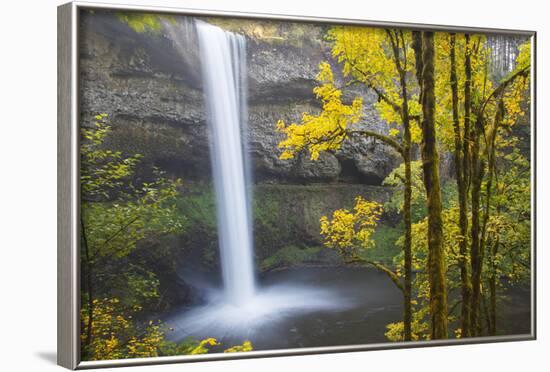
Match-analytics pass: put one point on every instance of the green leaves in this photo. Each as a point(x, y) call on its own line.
point(418, 198)
point(118, 213)
point(103, 171)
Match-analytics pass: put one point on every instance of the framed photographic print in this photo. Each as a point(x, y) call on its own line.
point(239, 185)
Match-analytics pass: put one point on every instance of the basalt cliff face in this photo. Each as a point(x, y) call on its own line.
point(150, 86)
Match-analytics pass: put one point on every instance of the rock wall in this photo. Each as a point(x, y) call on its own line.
point(295, 211)
point(150, 86)
point(285, 217)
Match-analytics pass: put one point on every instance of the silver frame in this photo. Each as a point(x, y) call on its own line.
point(68, 201)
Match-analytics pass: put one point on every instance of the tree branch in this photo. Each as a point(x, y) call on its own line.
point(503, 85)
point(387, 140)
point(393, 276)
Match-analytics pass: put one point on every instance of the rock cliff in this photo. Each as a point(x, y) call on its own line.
point(150, 86)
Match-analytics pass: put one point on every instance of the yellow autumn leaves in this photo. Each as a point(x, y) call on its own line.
point(117, 336)
point(114, 335)
point(365, 57)
point(348, 229)
point(204, 345)
point(325, 131)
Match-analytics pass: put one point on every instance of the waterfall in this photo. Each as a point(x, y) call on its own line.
point(223, 64)
point(242, 310)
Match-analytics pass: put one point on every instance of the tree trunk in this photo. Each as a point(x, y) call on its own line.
point(89, 286)
point(430, 160)
point(466, 156)
point(470, 153)
point(490, 154)
point(396, 38)
point(407, 297)
point(417, 47)
point(407, 293)
point(493, 291)
point(462, 198)
point(476, 253)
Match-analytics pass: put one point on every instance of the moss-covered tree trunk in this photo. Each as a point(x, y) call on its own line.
point(493, 290)
point(88, 275)
point(400, 56)
point(460, 165)
point(478, 168)
point(491, 169)
point(407, 296)
point(430, 161)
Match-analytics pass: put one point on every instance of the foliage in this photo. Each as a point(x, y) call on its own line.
point(474, 118)
point(202, 346)
point(384, 243)
point(197, 347)
point(198, 206)
point(118, 336)
point(420, 324)
point(118, 215)
point(396, 179)
point(103, 170)
point(349, 230)
point(481, 85)
point(325, 131)
point(133, 286)
point(509, 229)
point(115, 335)
point(351, 233)
point(367, 56)
point(246, 346)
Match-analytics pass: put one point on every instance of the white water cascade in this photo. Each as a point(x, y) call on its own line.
point(223, 58)
point(242, 309)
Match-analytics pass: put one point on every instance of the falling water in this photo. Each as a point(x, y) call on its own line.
point(242, 308)
point(223, 58)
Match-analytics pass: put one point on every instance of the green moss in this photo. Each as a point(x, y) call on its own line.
point(144, 22)
point(198, 205)
point(273, 226)
point(285, 222)
point(289, 256)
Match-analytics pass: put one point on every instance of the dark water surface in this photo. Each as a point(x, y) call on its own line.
point(349, 306)
point(376, 301)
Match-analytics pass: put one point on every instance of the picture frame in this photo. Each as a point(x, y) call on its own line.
point(69, 189)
